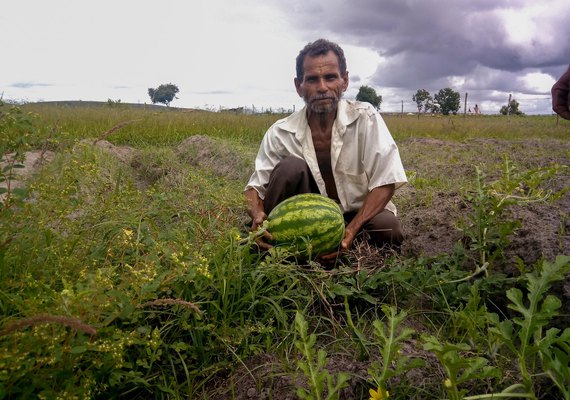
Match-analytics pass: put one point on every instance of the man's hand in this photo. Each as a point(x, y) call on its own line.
point(345, 244)
point(257, 213)
point(375, 202)
point(263, 240)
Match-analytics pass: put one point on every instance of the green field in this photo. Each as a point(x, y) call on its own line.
point(127, 269)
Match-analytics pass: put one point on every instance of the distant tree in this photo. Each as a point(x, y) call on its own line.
point(368, 94)
point(423, 100)
point(512, 109)
point(164, 94)
point(449, 101)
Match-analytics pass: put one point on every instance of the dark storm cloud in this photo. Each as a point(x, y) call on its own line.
point(426, 43)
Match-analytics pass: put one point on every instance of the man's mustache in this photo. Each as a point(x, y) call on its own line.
point(322, 97)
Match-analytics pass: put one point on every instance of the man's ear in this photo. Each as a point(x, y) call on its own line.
point(298, 86)
point(346, 80)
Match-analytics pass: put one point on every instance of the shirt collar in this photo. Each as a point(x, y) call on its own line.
point(297, 122)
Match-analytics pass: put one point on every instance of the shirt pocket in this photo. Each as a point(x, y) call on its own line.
point(348, 164)
point(355, 189)
point(356, 180)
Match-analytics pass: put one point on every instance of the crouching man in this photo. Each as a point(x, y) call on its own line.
point(338, 148)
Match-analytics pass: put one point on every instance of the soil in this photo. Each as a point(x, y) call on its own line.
point(429, 225)
point(544, 230)
point(545, 227)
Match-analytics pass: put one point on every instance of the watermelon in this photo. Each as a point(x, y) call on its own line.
point(309, 223)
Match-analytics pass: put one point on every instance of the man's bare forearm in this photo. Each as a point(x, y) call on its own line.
point(374, 203)
point(255, 207)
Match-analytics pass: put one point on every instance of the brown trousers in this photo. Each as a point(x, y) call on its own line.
point(292, 176)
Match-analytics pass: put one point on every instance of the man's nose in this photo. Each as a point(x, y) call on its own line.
point(321, 86)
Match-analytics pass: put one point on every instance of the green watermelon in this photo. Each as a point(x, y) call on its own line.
point(309, 223)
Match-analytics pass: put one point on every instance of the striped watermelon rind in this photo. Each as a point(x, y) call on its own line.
point(308, 223)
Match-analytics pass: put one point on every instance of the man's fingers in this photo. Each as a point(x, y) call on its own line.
point(263, 244)
point(264, 239)
point(330, 256)
point(267, 235)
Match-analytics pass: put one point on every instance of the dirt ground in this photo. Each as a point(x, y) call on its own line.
point(545, 227)
point(429, 229)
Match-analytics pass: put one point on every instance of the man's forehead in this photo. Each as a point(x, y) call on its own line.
point(328, 59)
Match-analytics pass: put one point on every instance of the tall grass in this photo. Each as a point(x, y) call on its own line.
point(490, 127)
point(166, 126)
point(146, 127)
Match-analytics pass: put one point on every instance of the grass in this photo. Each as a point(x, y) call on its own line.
point(458, 128)
point(146, 127)
point(138, 279)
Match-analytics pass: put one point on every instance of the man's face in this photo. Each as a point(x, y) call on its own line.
point(323, 84)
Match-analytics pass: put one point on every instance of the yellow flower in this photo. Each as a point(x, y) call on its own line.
point(378, 394)
point(447, 383)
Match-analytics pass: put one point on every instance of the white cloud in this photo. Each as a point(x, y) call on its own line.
point(538, 82)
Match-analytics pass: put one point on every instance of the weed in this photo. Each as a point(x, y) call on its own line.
point(322, 385)
point(391, 362)
point(459, 366)
point(487, 227)
point(17, 131)
point(524, 335)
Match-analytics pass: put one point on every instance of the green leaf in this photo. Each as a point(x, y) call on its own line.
point(550, 306)
point(20, 192)
point(78, 349)
point(341, 290)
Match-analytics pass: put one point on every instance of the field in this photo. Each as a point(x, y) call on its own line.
point(127, 268)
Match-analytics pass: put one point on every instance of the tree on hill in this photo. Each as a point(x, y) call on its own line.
point(449, 101)
point(164, 94)
point(423, 100)
point(512, 109)
point(368, 94)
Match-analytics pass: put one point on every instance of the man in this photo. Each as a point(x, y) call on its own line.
point(338, 148)
point(561, 96)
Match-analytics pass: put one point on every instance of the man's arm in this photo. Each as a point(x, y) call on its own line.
point(255, 208)
point(257, 213)
point(374, 203)
point(560, 96)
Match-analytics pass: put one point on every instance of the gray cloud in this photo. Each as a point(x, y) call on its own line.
point(221, 92)
point(27, 85)
point(463, 44)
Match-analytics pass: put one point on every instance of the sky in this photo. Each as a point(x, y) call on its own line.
point(226, 53)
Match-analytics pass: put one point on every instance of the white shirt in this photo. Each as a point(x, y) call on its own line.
point(363, 153)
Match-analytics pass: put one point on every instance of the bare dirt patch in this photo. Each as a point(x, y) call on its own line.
point(430, 226)
point(216, 156)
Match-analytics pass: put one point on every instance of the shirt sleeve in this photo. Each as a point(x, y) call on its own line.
point(265, 161)
point(381, 157)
